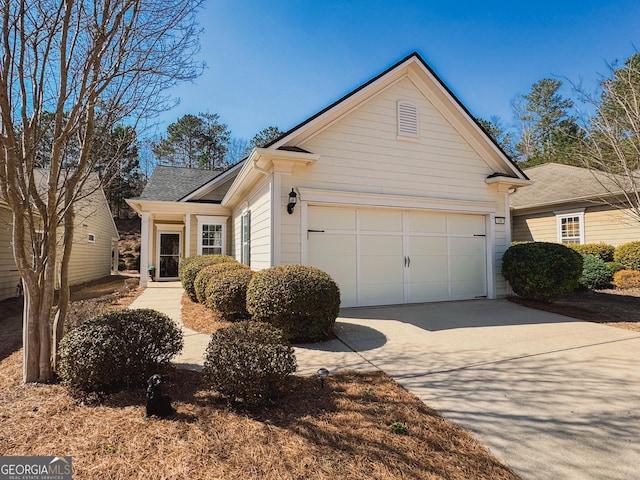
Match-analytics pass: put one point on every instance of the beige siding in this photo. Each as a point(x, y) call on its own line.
point(92, 260)
point(601, 224)
point(362, 153)
point(9, 276)
point(259, 204)
point(611, 226)
point(539, 227)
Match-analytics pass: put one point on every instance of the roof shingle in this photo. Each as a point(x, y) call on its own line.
point(173, 183)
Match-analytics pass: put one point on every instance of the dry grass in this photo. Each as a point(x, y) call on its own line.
point(340, 431)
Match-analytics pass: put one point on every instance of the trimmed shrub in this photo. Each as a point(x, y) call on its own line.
point(542, 271)
point(118, 349)
point(595, 273)
point(192, 265)
point(601, 250)
point(209, 272)
point(303, 301)
point(627, 279)
point(226, 293)
point(628, 255)
point(614, 267)
point(248, 361)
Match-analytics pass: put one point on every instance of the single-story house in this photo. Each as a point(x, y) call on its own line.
point(95, 244)
point(569, 204)
point(394, 190)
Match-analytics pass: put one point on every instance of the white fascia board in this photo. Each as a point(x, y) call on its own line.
point(160, 207)
point(509, 181)
point(339, 110)
point(460, 119)
point(262, 162)
point(212, 183)
point(334, 197)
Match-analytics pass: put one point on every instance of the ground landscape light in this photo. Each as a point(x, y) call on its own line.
point(322, 373)
point(293, 199)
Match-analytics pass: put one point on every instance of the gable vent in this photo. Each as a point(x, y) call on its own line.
point(407, 119)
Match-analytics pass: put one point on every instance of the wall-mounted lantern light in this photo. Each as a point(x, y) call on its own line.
point(293, 199)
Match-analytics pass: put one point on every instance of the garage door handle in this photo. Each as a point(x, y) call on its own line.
point(478, 235)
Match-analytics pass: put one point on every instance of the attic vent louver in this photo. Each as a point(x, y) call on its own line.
point(407, 119)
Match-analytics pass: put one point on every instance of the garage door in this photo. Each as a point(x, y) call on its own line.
point(381, 257)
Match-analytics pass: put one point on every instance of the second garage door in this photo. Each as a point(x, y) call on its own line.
point(382, 257)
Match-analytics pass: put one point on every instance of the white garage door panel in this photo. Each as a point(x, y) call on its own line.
point(420, 222)
point(381, 269)
point(331, 218)
point(336, 255)
point(468, 267)
point(465, 224)
point(380, 220)
point(384, 256)
point(428, 271)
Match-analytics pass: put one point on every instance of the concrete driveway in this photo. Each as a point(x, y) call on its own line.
point(550, 396)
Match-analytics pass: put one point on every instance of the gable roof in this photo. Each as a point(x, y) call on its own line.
point(174, 183)
point(557, 183)
point(411, 63)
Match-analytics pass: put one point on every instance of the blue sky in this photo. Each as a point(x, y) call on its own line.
point(277, 62)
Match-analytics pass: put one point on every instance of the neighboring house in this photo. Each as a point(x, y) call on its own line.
point(401, 197)
point(568, 204)
point(95, 245)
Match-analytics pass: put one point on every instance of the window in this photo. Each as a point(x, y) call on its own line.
point(211, 239)
point(407, 121)
point(245, 255)
point(571, 228)
point(91, 238)
point(211, 235)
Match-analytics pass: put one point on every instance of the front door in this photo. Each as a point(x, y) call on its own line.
point(169, 256)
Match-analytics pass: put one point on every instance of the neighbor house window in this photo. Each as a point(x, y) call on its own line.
point(211, 235)
point(571, 228)
point(91, 238)
point(246, 238)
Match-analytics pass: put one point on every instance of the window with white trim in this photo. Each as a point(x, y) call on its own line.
point(91, 238)
point(571, 228)
point(245, 236)
point(211, 235)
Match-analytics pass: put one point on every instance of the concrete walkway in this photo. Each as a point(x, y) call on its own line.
point(166, 297)
point(550, 396)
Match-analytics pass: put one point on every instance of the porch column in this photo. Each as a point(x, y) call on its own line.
point(187, 236)
point(145, 246)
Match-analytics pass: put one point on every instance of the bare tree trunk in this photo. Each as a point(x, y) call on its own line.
point(65, 295)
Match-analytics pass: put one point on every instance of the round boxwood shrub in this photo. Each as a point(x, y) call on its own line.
point(601, 250)
point(628, 254)
point(193, 266)
point(614, 267)
point(542, 271)
point(118, 349)
point(226, 293)
point(595, 273)
point(209, 272)
point(248, 361)
point(627, 279)
point(303, 301)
